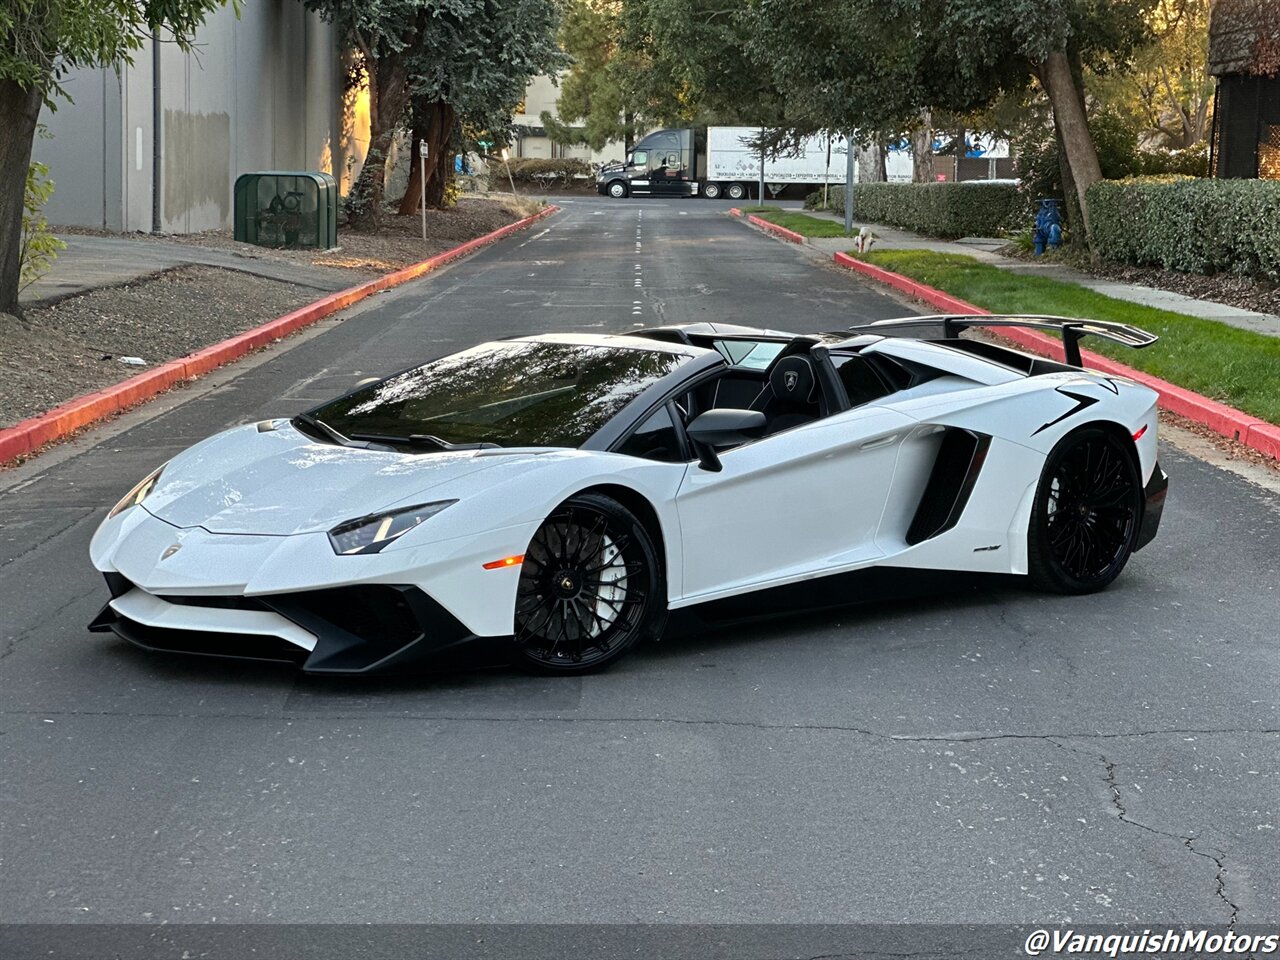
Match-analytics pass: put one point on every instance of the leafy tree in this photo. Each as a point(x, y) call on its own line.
point(875, 64)
point(40, 41)
point(470, 67)
point(598, 103)
point(1168, 89)
point(642, 63)
point(449, 59)
point(382, 34)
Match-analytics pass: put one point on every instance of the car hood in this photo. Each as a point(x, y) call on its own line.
point(277, 481)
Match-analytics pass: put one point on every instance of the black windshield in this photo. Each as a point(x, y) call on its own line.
point(514, 394)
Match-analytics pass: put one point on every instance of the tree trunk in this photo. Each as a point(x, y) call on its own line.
point(922, 170)
point(871, 167)
point(19, 111)
point(1071, 199)
point(388, 97)
point(1069, 116)
point(434, 123)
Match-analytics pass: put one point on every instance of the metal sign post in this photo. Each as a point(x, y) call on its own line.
point(506, 163)
point(848, 183)
point(762, 166)
point(422, 170)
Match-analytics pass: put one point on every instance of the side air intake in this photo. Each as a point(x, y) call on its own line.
point(955, 471)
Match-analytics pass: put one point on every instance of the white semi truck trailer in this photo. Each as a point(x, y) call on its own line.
point(719, 162)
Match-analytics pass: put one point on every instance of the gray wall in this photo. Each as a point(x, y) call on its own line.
point(259, 93)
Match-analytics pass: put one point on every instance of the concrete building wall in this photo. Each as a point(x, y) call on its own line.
point(262, 92)
point(531, 141)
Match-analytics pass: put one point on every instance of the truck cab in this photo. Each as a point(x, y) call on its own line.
point(662, 164)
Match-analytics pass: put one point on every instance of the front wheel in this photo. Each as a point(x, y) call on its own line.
point(591, 587)
point(617, 189)
point(1087, 512)
point(712, 191)
point(736, 191)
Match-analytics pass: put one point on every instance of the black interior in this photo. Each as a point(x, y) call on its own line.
point(792, 396)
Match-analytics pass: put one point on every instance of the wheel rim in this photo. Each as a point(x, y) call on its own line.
point(582, 589)
point(616, 190)
point(712, 191)
point(736, 192)
point(1092, 509)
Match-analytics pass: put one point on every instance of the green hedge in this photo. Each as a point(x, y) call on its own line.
point(972, 209)
point(1195, 226)
point(540, 170)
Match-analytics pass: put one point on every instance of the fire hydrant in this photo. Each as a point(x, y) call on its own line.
point(1048, 226)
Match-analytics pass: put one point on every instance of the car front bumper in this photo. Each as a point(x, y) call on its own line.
point(291, 598)
point(356, 629)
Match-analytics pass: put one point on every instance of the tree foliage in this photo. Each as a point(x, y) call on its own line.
point(42, 39)
point(452, 61)
point(1167, 90)
point(470, 68)
point(644, 63)
point(599, 96)
point(39, 246)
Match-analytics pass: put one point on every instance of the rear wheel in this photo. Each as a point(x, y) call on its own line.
point(736, 191)
point(617, 189)
point(1087, 512)
point(712, 191)
point(590, 587)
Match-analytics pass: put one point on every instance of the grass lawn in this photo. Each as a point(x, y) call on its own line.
point(801, 223)
point(1237, 367)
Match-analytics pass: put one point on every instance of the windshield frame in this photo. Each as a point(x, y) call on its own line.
point(697, 361)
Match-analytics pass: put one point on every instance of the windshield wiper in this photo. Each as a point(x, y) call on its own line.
point(421, 440)
point(322, 427)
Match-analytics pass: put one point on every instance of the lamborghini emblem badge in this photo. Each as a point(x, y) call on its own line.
point(790, 379)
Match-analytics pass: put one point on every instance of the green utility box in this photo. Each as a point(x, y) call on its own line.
point(285, 208)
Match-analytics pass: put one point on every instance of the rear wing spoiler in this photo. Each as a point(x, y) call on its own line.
point(945, 326)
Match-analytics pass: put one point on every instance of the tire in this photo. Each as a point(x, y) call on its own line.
point(712, 191)
point(736, 191)
point(566, 622)
point(617, 189)
point(1087, 512)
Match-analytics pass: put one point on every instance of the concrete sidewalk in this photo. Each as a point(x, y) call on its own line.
point(90, 262)
point(985, 249)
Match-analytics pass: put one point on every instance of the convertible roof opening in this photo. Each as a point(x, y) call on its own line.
point(512, 393)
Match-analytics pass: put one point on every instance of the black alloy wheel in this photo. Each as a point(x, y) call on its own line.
point(1087, 512)
point(590, 587)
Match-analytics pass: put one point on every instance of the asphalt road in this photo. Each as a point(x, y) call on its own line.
point(977, 755)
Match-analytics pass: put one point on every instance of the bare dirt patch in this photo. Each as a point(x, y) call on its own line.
point(398, 244)
point(1243, 292)
point(73, 347)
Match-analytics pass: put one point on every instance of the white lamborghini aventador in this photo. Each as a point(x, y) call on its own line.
point(565, 492)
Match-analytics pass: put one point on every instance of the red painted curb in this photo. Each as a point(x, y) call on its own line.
point(788, 235)
point(1228, 421)
point(30, 435)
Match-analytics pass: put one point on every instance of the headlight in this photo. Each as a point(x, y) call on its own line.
point(370, 534)
point(138, 493)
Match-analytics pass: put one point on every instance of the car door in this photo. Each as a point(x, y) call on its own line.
point(801, 503)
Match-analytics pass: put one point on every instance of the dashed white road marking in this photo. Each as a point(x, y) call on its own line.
point(536, 236)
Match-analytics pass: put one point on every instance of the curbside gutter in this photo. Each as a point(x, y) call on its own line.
point(28, 436)
point(789, 235)
point(1222, 419)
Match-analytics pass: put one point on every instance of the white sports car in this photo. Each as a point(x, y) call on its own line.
point(564, 492)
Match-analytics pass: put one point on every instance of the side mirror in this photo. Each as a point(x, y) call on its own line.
point(723, 428)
